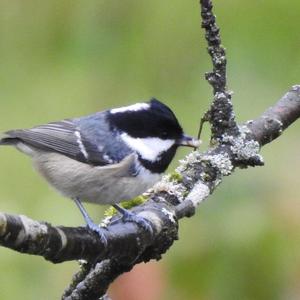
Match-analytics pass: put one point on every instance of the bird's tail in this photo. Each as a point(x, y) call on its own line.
point(7, 139)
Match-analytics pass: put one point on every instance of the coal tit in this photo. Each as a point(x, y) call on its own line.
point(106, 157)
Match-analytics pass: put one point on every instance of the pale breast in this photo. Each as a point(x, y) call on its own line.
point(98, 184)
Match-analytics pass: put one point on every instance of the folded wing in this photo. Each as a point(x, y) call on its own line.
point(63, 137)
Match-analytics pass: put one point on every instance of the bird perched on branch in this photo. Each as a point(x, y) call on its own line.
point(106, 157)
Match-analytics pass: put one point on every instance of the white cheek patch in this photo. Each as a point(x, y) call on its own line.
point(149, 148)
point(133, 107)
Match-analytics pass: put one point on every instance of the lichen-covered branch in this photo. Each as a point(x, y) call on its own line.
point(217, 78)
point(58, 244)
point(79, 277)
point(205, 170)
point(175, 197)
point(104, 272)
point(220, 115)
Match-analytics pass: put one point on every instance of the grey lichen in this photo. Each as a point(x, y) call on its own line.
point(190, 159)
point(242, 148)
point(219, 161)
point(169, 214)
point(199, 193)
point(212, 167)
point(32, 229)
point(170, 186)
point(245, 150)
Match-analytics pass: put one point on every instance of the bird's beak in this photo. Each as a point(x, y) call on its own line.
point(189, 141)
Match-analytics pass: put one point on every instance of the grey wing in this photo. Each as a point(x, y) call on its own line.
point(63, 137)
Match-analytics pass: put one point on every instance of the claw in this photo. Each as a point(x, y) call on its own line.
point(128, 216)
point(100, 231)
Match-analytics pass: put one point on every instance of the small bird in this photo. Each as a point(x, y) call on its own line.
point(106, 157)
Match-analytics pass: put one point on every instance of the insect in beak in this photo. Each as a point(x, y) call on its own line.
point(189, 141)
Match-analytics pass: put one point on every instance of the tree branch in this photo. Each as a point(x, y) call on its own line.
point(220, 115)
point(276, 118)
point(58, 244)
point(217, 78)
point(175, 197)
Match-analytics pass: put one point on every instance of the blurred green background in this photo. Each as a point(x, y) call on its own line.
point(63, 58)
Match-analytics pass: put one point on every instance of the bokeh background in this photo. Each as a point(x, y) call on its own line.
point(63, 58)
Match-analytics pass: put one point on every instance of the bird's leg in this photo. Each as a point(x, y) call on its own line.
point(89, 222)
point(128, 216)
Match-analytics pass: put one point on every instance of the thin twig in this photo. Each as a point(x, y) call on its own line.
point(221, 114)
point(217, 78)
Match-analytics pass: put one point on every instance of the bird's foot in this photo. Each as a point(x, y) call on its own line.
point(89, 222)
point(128, 216)
point(99, 230)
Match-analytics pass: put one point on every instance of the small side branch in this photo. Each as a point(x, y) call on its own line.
point(217, 78)
point(220, 115)
point(90, 288)
point(275, 119)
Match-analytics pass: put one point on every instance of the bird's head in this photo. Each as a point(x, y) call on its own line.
point(152, 130)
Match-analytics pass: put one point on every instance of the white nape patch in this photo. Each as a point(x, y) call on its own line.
point(133, 107)
point(80, 144)
point(149, 148)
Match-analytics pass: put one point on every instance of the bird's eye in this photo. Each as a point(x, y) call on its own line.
point(163, 134)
